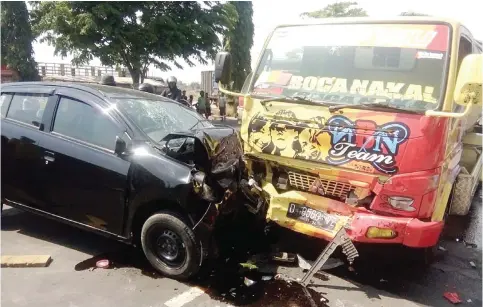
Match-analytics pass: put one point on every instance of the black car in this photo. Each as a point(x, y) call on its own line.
point(124, 163)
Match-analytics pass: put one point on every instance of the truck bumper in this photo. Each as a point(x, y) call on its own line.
point(361, 226)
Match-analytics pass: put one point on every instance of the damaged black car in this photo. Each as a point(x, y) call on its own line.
point(127, 164)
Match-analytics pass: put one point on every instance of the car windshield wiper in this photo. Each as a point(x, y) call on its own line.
point(370, 105)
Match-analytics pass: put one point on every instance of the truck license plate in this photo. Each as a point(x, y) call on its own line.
point(311, 216)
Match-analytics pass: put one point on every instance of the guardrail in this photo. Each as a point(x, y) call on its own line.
point(68, 70)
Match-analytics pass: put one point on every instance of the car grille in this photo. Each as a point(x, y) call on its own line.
point(303, 182)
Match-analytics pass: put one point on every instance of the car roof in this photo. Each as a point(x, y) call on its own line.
point(107, 92)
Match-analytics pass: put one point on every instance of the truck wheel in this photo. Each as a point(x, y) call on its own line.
point(170, 246)
point(463, 193)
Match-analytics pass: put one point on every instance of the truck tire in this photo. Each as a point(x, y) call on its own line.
point(462, 194)
point(170, 246)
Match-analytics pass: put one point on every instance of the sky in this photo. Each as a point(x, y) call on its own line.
point(267, 14)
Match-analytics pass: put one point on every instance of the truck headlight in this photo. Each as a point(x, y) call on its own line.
point(401, 203)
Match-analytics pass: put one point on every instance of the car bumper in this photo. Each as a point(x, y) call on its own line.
point(361, 225)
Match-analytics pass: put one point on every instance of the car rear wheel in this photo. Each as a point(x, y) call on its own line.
point(170, 246)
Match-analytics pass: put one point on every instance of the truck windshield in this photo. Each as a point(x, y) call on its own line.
point(400, 65)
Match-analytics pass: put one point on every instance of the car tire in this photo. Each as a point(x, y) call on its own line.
point(170, 246)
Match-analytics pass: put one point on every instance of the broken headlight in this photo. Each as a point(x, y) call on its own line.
point(201, 188)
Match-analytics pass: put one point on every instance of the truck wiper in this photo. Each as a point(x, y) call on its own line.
point(294, 99)
point(369, 105)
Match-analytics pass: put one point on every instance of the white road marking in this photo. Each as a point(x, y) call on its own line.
point(184, 297)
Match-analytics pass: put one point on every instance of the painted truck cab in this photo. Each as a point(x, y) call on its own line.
point(358, 123)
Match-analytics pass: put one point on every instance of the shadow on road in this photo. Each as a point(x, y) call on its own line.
point(389, 270)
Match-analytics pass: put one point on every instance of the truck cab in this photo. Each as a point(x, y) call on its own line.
point(365, 124)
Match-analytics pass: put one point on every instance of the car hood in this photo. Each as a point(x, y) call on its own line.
point(215, 146)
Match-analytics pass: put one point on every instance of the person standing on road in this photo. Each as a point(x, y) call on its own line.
point(172, 92)
point(201, 106)
point(190, 100)
point(207, 106)
point(222, 106)
point(183, 96)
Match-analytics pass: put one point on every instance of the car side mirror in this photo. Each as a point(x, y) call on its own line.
point(120, 146)
point(468, 85)
point(223, 67)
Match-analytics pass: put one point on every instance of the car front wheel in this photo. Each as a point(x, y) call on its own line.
point(170, 246)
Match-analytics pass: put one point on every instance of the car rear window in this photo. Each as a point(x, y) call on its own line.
point(28, 108)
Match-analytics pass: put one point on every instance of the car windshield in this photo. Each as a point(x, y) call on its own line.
point(158, 118)
point(397, 64)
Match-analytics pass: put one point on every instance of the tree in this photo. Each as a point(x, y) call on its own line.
point(17, 37)
point(338, 9)
point(239, 41)
point(134, 34)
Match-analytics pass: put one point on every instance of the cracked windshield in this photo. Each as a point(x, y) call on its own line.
point(158, 118)
point(393, 64)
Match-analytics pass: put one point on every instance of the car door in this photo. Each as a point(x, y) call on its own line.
point(86, 180)
point(22, 111)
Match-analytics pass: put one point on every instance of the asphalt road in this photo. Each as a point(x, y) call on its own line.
point(383, 277)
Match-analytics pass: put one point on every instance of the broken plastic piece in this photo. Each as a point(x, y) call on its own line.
point(249, 282)
point(266, 278)
point(441, 248)
point(102, 264)
point(284, 257)
point(470, 245)
point(473, 265)
point(249, 266)
point(452, 297)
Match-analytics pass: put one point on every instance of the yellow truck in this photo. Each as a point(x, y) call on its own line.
point(372, 125)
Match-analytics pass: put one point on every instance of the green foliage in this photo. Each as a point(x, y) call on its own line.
point(338, 9)
point(134, 34)
point(239, 41)
point(17, 39)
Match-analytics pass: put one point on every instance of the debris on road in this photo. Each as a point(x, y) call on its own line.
point(473, 265)
point(284, 258)
point(469, 300)
point(248, 265)
point(267, 278)
point(453, 297)
point(102, 264)
point(25, 261)
point(470, 245)
point(442, 248)
point(249, 282)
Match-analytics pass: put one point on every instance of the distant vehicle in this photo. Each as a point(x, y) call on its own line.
point(123, 163)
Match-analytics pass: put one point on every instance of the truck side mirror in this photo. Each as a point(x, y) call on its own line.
point(223, 67)
point(468, 84)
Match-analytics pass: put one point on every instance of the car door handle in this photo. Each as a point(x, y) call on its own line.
point(49, 156)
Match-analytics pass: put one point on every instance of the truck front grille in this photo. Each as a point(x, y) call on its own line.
point(334, 188)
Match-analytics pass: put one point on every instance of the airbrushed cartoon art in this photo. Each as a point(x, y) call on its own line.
point(284, 135)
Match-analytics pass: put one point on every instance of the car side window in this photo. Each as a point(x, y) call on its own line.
point(81, 121)
point(28, 108)
point(4, 103)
